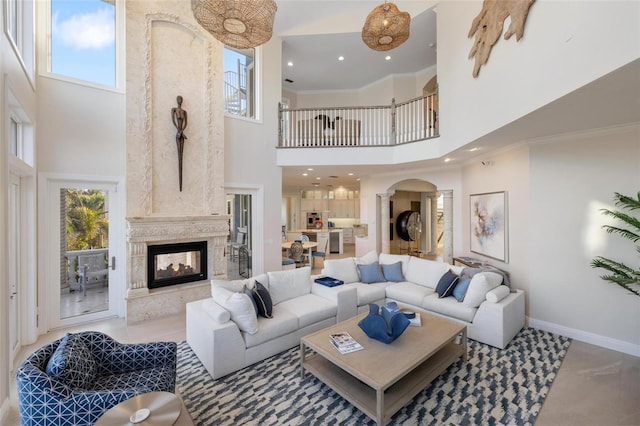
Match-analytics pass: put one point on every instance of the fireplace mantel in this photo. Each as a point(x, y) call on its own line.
point(143, 303)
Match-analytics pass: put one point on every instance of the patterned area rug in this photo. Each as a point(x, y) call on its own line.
point(496, 386)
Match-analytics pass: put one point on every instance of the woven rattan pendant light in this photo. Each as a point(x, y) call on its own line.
point(386, 27)
point(237, 23)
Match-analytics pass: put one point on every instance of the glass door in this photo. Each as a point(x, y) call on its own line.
point(84, 234)
point(239, 259)
point(82, 268)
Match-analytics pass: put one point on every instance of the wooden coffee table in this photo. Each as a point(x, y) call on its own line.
point(380, 379)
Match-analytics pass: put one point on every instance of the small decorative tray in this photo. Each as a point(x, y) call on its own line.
point(329, 281)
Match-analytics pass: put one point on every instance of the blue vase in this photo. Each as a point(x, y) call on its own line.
point(384, 330)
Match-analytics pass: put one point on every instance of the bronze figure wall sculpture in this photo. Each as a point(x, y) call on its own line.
point(179, 118)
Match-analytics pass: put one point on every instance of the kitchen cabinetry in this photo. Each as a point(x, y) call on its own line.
point(348, 236)
point(340, 203)
point(313, 201)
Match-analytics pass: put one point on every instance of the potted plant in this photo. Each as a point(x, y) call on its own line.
point(621, 274)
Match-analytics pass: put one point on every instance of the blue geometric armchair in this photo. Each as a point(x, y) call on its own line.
point(76, 379)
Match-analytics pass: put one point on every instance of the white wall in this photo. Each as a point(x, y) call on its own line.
point(250, 157)
point(506, 171)
point(402, 87)
point(14, 79)
point(566, 44)
point(81, 129)
point(571, 179)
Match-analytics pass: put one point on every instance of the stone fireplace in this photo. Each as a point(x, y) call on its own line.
point(169, 55)
point(177, 263)
point(144, 233)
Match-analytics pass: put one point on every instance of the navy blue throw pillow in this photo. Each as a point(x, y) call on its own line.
point(263, 300)
point(249, 293)
point(72, 363)
point(446, 284)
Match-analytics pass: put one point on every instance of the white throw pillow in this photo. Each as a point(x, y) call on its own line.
point(239, 306)
point(215, 311)
point(389, 259)
point(498, 293)
point(367, 259)
point(480, 285)
point(285, 285)
point(238, 285)
point(425, 272)
point(341, 269)
point(231, 285)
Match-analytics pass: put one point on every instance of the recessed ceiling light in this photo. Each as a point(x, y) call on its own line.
point(350, 174)
point(358, 179)
point(310, 169)
point(290, 63)
point(305, 174)
point(318, 178)
point(341, 58)
point(387, 58)
point(446, 160)
point(474, 149)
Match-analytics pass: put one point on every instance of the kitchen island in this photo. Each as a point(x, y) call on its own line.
point(321, 236)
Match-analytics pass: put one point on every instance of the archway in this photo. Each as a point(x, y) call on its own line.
point(434, 241)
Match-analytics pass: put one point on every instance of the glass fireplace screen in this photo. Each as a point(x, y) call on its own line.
point(171, 264)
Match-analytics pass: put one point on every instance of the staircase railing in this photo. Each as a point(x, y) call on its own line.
point(235, 90)
point(383, 125)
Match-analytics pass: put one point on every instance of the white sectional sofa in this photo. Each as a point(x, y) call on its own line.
point(226, 334)
point(492, 312)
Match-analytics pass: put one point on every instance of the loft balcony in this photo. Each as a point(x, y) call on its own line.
point(363, 126)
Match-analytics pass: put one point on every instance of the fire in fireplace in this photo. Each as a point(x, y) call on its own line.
point(171, 264)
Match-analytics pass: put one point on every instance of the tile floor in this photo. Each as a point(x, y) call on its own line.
point(594, 386)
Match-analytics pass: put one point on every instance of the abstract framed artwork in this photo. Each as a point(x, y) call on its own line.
point(489, 225)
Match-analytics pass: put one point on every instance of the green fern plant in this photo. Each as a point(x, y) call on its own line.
point(621, 274)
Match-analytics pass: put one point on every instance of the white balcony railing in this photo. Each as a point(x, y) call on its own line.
point(393, 124)
point(73, 264)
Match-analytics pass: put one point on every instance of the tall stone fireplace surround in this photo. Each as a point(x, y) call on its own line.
point(144, 303)
point(168, 55)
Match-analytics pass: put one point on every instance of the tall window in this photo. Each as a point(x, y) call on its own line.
point(83, 40)
point(13, 19)
point(15, 139)
point(239, 82)
point(19, 22)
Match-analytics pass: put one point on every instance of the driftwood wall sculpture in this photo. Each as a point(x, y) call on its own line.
point(488, 25)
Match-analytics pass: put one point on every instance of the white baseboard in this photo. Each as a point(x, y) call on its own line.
point(584, 336)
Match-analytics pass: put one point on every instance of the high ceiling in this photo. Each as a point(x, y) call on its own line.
point(316, 66)
point(315, 33)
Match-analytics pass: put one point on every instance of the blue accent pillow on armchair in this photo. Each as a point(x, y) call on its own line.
point(72, 363)
point(375, 326)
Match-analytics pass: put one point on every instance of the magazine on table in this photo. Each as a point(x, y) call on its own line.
point(413, 317)
point(344, 342)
